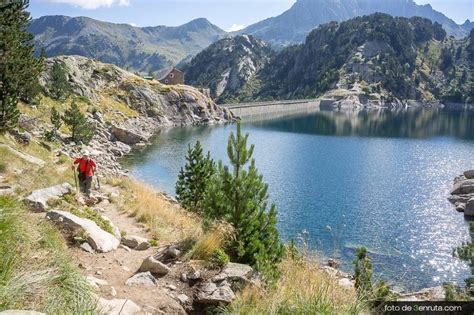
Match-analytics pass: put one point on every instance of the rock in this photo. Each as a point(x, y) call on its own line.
point(184, 277)
point(145, 279)
point(463, 187)
point(38, 199)
point(333, 263)
point(135, 242)
point(469, 174)
point(429, 294)
point(118, 307)
point(100, 240)
point(26, 157)
point(460, 207)
point(173, 252)
point(115, 229)
point(154, 266)
point(194, 275)
point(126, 248)
point(182, 298)
point(113, 292)
point(87, 248)
point(20, 312)
point(238, 275)
point(6, 190)
point(346, 283)
point(126, 136)
point(469, 208)
point(96, 282)
point(212, 293)
point(172, 287)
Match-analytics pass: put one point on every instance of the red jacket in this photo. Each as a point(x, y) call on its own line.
point(85, 166)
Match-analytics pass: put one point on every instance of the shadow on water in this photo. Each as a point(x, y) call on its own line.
point(414, 123)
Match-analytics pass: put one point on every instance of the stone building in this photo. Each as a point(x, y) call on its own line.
point(171, 76)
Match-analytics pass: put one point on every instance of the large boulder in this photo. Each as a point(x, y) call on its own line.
point(145, 279)
point(215, 293)
point(38, 199)
point(463, 187)
point(469, 208)
point(100, 240)
point(469, 174)
point(126, 135)
point(154, 266)
point(118, 307)
point(238, 275)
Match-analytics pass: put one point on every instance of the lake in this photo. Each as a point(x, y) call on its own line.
point(341, 180)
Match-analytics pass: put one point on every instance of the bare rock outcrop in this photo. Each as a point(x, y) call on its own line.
point(38, 199)
point(462, 193)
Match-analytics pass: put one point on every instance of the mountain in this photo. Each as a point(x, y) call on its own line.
point(294, 25)
point(143, 49)
point(227, 65)
point(376, 58)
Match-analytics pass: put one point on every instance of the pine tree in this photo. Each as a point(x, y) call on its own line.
point(19, 70)
point(59, 86)
point(240, 196)
point(194, 178)
point(77, 123)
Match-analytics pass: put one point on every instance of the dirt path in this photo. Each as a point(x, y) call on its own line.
point(117, 266)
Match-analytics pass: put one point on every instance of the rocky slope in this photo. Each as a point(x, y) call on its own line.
point(294, 25)
point(374, 60)
point(125, 109)
point(227, 65)
point(143, 49)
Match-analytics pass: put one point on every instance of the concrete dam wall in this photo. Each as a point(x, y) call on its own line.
point(265, 110)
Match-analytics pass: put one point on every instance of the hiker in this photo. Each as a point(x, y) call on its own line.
point(86, 169)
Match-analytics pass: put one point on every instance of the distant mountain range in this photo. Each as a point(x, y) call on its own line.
point(371, 59)
point(294, 25)
point(227, 65)
point(143, 49)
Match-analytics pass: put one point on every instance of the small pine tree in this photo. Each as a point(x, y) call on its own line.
point(59, 87)
point(194, 178)
point(240, 197)
point(19, 69)
point(81, 130)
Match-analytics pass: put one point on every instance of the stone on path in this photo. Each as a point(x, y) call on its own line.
point(135, 242)
point(96, 282)
point(145, 279)
point(38, 199)
point(212, 293)
point(154, 266)
point(100, 240)
point(118, 307)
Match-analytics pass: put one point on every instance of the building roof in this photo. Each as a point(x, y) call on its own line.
point(164, 73)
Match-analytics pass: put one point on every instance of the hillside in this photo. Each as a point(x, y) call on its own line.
point(143, 49)
point(376, 57)
point(294, 25)
point(227, 65)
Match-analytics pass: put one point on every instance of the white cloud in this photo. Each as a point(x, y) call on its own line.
point(92, 4)
point(236, 27)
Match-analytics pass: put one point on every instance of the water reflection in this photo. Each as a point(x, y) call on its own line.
point(415, 123)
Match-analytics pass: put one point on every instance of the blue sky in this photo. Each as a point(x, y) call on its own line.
point(227, 14)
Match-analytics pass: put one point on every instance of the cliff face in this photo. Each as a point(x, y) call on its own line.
point(106, 85)
point(227, 65)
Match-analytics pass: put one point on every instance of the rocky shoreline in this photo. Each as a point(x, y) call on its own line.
point(462, 194)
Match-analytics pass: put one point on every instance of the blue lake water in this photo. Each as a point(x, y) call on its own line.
point(378, 179)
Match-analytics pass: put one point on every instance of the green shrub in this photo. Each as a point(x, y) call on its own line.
point(219, 258)
point(92, 215)
point(3, 167)
point(153, 242)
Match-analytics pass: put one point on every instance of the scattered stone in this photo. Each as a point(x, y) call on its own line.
point(96, 282)
point(238, 275)
point(113, 292)
point(184, 277)
point(333, 263)
point(154, 266)
point(212, 293)
point(126, 248)
point(87, 248)
point(98, 272)
point(469, 174)
point(135, 242)
point(182, 298)
point(469, 207)
point(38, 199)
point(6, 190)
point(118, 307)
point(100, 240)
point(194, 275)
point(172, 287)
point(145, 279)
point(173, 252)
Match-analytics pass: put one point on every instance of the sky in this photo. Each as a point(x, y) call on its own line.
point(229, 15)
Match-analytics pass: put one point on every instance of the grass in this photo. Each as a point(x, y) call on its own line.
point(211, 242)
point(88, 213)
point(36, 272)
point(303, 288)
point(167, 222)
